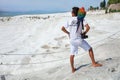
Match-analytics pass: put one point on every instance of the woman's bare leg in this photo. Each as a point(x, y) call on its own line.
point(93, 59)
point(72, 63)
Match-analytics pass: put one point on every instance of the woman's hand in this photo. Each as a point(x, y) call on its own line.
point(68, 34)
point(84, 33)
point(65, 31)
point(87, 28)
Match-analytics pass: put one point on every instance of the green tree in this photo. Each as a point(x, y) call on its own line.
point(97, 8)
point(113, 1)
point(103, 4)
point(91, 7)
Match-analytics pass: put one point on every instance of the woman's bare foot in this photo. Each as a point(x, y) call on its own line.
point(73, 70)
point(96, 65)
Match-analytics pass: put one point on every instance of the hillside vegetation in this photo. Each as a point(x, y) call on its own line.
point(113, 1)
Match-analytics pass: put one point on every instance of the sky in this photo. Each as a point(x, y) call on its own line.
point(44, 5)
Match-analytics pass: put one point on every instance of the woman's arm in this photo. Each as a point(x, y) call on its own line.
point(64, 30)
point(87, 28)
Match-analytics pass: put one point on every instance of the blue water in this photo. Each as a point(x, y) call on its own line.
point(10, 14)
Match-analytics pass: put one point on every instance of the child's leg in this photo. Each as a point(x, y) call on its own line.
point(93, 59)
point(72, 63)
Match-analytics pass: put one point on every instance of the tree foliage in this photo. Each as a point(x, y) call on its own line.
point(113, 1)
point(103, 4)
point(93, 8)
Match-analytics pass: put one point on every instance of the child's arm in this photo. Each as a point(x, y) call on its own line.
point(64, 30)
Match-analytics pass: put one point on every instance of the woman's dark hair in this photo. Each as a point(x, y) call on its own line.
point(75, 10)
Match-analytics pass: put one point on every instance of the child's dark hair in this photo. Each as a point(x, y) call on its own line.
point(75, 10)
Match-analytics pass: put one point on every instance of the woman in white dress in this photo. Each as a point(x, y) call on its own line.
point(75, 25)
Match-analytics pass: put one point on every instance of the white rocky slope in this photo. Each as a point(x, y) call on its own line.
point(33, 47)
